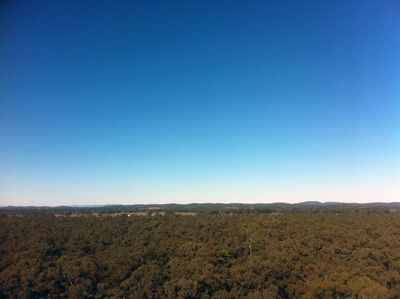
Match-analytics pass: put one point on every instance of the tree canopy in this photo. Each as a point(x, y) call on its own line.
point(308, 253)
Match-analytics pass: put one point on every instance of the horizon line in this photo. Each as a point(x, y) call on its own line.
point(208, 203)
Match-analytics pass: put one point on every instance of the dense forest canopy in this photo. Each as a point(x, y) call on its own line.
point(195, 251)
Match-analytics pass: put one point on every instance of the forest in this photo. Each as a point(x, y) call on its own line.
point(200, 252)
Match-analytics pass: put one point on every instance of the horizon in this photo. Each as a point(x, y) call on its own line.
point(209, 102)
point(303, 203)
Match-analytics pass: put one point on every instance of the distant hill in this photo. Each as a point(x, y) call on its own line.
point(197, 207)
point(312, 203)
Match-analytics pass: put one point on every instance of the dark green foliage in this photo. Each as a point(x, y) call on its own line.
point(306, 253)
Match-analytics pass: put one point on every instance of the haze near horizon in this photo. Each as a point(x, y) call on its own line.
point(130, 102)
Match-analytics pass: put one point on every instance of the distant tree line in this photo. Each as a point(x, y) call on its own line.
point(207, 208)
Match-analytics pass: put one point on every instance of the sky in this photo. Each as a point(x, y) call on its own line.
point(130, 102)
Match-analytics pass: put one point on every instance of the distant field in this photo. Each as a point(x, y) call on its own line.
point(128, 214)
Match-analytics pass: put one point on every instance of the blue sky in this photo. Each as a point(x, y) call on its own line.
point(199, 101)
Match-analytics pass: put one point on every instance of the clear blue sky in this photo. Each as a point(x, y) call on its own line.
point(199, 101)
